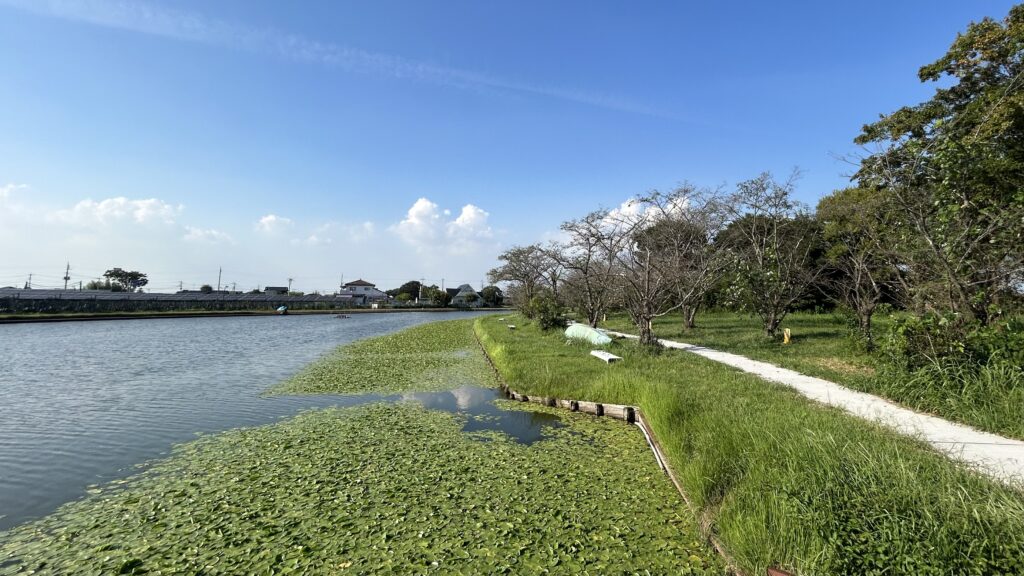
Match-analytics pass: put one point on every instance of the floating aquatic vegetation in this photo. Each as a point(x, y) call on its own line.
point(435, 356)
point(379, 489)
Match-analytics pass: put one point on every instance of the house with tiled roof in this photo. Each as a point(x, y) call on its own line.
point(361, 292)
point(466, 296)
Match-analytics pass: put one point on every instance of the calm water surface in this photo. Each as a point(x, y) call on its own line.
point(85, 402)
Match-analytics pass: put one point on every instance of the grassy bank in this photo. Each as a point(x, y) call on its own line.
point(382, 488)
point(990, 397)
point(434, 356)
point(780, 480)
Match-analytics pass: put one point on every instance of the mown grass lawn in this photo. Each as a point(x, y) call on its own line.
point(821, 344)
point(779, 479)
point(989, 397)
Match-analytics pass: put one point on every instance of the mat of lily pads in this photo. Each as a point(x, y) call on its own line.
point(431, 357)
point(378, 489)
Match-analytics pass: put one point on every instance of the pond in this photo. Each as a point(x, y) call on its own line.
point(87, 402)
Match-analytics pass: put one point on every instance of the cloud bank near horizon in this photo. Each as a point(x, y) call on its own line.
point(161, 237)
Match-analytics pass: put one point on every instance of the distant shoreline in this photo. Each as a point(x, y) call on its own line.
point(31, 318)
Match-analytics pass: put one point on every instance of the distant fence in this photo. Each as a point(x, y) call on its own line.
point(35, 301)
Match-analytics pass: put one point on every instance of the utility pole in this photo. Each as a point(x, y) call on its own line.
point(180, 285)
point(79, 285)
point(28, 285)
point(219, 270)
point(67, 272)
point(442, 284)
point(420, 295)
point(232, 286)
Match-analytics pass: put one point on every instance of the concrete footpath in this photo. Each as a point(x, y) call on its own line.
point(999, 457)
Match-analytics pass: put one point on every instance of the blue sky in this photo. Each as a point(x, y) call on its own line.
point(399, 140)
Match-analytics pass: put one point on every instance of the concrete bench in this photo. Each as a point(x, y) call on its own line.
point(606, 356)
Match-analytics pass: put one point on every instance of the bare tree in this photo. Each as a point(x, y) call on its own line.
point(588, 258)
point(775, 242)
point(700, 262)
point(527, 269)
point(553, 270)
point(647, 252)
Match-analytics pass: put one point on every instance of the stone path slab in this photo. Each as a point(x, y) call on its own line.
point(999, 457)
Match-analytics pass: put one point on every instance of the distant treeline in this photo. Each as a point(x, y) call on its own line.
point(140, 303)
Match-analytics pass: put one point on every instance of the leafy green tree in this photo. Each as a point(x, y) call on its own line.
point(129, 280)
point(776, 247)
point(856, 224)
point(436, 296)
point(404, 297)
point(97, 285)
point(953, 167)
point(412, 288)
point(527, 269)
point(492, 295)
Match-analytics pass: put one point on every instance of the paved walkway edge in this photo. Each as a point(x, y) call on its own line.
point(999, 457)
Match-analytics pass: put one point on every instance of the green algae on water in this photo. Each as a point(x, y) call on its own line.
point(431, 357)
point(382, 488)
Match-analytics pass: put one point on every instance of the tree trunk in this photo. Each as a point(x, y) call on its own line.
point(771, 325)
point(592, 318)
point(689, 317)
point(647, 337)
point(865, 328)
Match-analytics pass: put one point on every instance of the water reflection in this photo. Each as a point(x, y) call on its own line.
point(85, 402)
point(524, 427)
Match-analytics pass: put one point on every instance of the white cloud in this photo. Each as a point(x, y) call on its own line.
point(421, 224)
point(312, 240)
point(207, 236)
point(7, 190)
point(325, 234)
point(273, 224)
point(626, 211)
point(471, 224)
point(362, 232)
point(645, 214)
point(90, 213)
point(425, 226)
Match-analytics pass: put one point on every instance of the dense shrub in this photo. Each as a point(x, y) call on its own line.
point(548, 312)
point(914, 342)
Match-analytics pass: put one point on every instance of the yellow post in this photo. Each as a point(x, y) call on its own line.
point(785, 336)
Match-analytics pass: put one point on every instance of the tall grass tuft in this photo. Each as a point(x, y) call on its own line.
point(780, 480)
